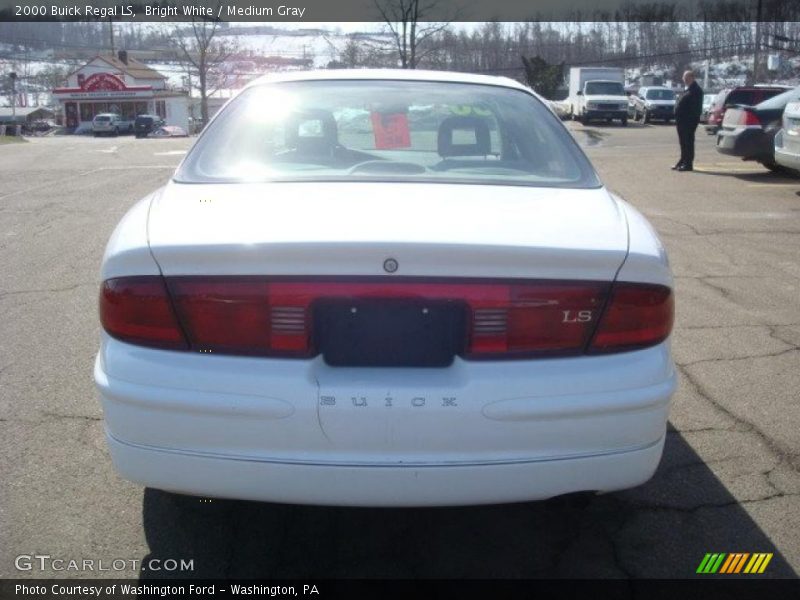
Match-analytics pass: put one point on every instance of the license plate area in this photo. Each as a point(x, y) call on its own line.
point(381, 332)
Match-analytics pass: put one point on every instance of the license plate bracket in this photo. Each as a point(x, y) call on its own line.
point(389, 332)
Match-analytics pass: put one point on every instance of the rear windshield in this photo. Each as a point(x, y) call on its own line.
point(780, 101)
point(144, 120)
point(751, 97)
point(660, 95)
point(390, 131)
point(604, 88)
point(102, 118)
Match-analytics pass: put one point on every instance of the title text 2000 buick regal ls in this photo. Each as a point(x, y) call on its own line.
point(385, 288)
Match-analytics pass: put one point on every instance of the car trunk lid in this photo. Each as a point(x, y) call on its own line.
point(346, 229)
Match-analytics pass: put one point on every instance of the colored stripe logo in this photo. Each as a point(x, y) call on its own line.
point(734, 563)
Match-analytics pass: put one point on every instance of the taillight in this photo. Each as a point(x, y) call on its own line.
point(274, 316)
point(740, 117)
point(750, 118)
point(637, 316)
point(138, 310)
point(241, 316)
point(538, 318)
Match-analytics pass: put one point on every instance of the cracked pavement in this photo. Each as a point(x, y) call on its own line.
point(728, 482)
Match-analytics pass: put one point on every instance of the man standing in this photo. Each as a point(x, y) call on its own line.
point(687, 116)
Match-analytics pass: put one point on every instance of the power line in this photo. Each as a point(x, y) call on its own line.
point(626, 58)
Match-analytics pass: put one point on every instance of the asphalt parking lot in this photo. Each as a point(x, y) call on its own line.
point(728, 481)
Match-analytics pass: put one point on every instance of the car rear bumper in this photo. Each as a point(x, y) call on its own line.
point(661, 113)
point(301, 431)
point(750, 143)
point(605, 114)
point(343, 485)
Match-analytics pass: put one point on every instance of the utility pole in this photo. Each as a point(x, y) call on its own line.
point(13, 77)
point(111, 34)
point(757, 46)
point(705, 74)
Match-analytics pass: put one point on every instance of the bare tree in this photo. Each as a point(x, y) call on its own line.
point(350, 55)
point(408, 23)
point(203, 56)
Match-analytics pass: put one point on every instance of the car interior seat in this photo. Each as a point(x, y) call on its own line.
point(312, 134)
point(461, 137)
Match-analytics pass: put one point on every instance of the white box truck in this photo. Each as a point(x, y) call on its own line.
point(597, 93)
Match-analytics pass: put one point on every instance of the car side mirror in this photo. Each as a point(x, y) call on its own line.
point(580, 93)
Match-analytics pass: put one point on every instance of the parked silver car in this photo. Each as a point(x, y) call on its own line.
point(110, 124)
point(653, 103)
point(787, 140)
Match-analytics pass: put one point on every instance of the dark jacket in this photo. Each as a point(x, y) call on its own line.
point(689, 106)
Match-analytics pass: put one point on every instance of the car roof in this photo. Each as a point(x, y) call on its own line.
point(759, 88)
point(391, 74)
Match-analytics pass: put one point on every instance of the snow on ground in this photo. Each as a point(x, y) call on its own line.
point(318, 46)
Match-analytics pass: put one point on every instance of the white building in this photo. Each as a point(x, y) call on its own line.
point(122, 85)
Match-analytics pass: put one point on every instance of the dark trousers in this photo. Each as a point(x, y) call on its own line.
point(686, 139)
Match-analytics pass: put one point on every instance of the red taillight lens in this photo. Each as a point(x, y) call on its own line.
point(537, 318)
point(637, 316)
point(273, 317)
point(138, 310)
point(241, 316)
point(749, 118)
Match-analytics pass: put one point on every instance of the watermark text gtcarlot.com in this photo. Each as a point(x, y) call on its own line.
point(45, 562)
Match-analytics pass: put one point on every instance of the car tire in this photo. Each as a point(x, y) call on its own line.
point(775, 167)
point(95, 134)
point(624, 121)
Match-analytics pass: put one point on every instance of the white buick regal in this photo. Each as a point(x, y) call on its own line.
point(385, 288)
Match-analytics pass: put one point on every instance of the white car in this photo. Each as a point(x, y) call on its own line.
point(385, 288)
point(110, 124)
point(787, 140)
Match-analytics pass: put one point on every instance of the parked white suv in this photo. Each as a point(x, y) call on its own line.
point(110, 124)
